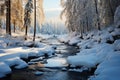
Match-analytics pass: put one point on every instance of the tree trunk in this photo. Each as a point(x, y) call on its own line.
point(14, 26)
point(8, 17)
point(0, 24)
point(26, 28)
point(98, 21)
point(34, 20)
point(87, 23)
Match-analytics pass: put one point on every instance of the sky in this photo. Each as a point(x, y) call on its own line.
point(52, 9)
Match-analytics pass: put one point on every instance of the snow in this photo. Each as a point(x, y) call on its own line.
point(38, 73)
point(116, 32)
point(74, 40)
point(17, 62)
point(91, 57)
point(83, 60)
point(37, 59)
point(96, 50)
point(4, 69)
point(64, 38)
point(79, 70)
point(86, 44)
point(70, 38)
point(56, 63)
point(117, 45)
point(108, 69)
point(13, 56)
point(14, 49)
point(103, 51)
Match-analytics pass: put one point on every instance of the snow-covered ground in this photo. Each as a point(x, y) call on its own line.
point(100, 48)
point(14, 49)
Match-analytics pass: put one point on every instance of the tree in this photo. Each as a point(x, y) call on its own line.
point(38, 11)
point(34, 20)
point(27, 16)
point(117, 17)
point(0, 23)
point(97, 14)
point(8, 16)
point(106, 9)
point(77, 15)
point(2, 12)
point(17, 13)
point(85, 15)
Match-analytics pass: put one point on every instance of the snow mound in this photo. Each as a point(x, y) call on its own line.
point(83, 60)
point(91, 57)
point(17, 62)
point(56, 63)
point(117, 45)
point(71, 39)
point(109, 69)
point(12, 57)
point(36, 52)
point(84, 44)
point(74, 40)
point(4, 69)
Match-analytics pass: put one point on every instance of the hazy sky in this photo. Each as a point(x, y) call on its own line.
point(52, 8)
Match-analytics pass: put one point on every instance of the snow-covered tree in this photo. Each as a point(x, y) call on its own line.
point(107, 10)
point(2, 12)
point(27, 16)
point(39, 11)
point(84, 15)
point(17, 13)
point(117, 17)
point(78, 14)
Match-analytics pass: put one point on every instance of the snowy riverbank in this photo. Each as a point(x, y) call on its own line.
point(99, 50)
point(14, 49)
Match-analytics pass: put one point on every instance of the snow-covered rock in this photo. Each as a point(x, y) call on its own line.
point(83, 60)
point(86, 44)
point(56, 63)
point(117, 45)
point(4, 69)
point(116, 33)
point(36, 59)
point(38, 73)
point(17, 62)
point(12, 57)
point(74, 40)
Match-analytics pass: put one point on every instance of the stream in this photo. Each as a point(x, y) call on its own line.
point(51, 73)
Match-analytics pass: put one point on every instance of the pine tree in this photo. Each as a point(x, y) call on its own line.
point(27, 16)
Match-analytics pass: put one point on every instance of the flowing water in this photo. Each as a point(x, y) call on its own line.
point(56, 73)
